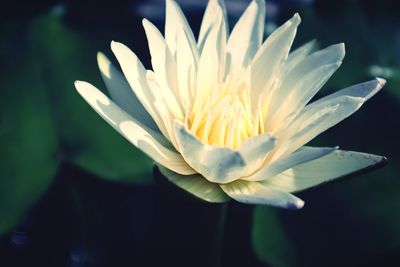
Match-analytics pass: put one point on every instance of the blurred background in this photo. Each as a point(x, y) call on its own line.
point(75, 193)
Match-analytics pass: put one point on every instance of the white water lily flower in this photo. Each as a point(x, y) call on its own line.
point(227, 116)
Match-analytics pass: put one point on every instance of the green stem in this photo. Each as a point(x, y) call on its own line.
point(220, 234)
point(192, 230)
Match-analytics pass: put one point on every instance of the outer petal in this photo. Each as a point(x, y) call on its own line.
point(270, 56)
point(209, 20)
point(335, 165)
point(246, 36)
point(326, 112)
point(163, 62)
point(135, 74)
point(298, 55)
point(303, 82)
point(122, 93)
point(196, 185)
point(218, 165)
point(175, 20)
point(365, 90)
point(315, 120)
point(137, 134)
point(301, 156)
point(254, 151)
point(257, 193)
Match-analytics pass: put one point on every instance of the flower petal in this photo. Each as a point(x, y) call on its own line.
point(273, 51)
point(254, 151)
point(163, 62)
point(209, 20)
point(256, 146)
point(135, 74)
point(197, 185)
point(305, 154)
point(316, 119)
point(216, 164)
point(122, 94)
point(187, 59)
point(365, 90)
point(332, 166)
point(211, 67)
point(257, 193)
point(326, 112)
point(246, 36)
point(297, 56)
point(174, 21)
point(136, 133)
point(302, 83)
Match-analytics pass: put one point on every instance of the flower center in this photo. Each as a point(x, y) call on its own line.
point(224, 116)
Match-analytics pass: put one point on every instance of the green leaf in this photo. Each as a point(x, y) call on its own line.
point(270, 242)
point(43, 119)
point(28, 141)
point(86, 139)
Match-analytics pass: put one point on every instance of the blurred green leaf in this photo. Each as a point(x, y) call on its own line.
point(28, 154)
point(86, 139)
point(270, 242)
point(44, 120)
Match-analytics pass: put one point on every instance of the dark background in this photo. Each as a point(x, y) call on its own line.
point(75, 193)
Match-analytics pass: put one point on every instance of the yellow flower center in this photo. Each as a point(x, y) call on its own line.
point(224, 115)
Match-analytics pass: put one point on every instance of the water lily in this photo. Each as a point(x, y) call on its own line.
point(229, 115)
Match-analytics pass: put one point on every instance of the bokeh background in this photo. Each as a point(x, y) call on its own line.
point(75, 193)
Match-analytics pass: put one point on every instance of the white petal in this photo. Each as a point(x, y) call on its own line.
point(298, 55)
point(132, 130)
point(301, 156)
point(246, 36)
point(216, 164)
point(257, 193)
point(324, 113)
point(271, 55)
point(211, 67)
point(135, 74)
point(315, 119)
point(209, 20)
point(365, 90)
point(163, 63)
point(303, 82)
point(256, 146)
point(254, 151)
point(175, 20)
point(187, 60)
point(335, 165)
point(122, 94)
point(196, 185)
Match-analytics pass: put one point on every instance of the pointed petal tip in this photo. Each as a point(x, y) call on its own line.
point(295, 205)
point(82, 87)
point(296, 18)
point(115, 45)
point(100, 55)
point(102, 60)
point(145, 22)
point(383, 161)
point(78, 84)
point(342, 47)
point(381, 81)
